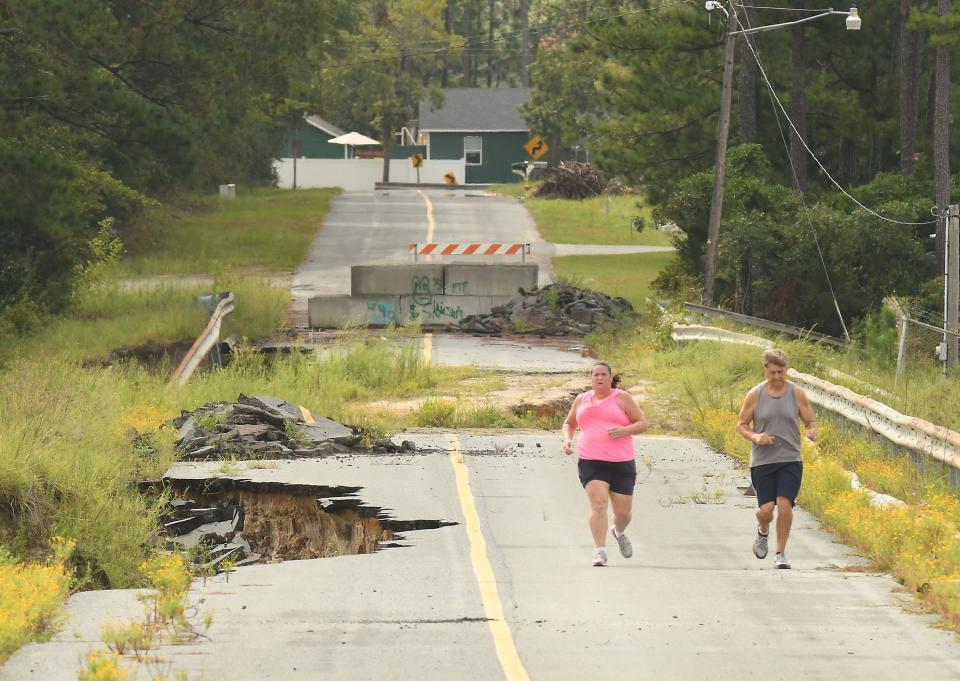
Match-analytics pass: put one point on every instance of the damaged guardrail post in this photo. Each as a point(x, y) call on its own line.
point(206, 341)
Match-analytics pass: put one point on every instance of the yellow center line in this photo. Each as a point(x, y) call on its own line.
point(431, 223)
point(427, 348)
point(510, 662)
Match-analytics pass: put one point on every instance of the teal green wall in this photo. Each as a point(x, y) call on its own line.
point(313, 144)
point(406, 151)
point(500, 149)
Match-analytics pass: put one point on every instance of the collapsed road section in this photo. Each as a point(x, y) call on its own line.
point(222, 522)
point(225, 522)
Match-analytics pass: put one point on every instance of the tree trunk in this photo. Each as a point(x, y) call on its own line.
point(525, 57)
point(848, 162)
point(941, 134)
point(798, 106)
point(910, 46)
point(447, 28)
point(387, 137)
point(743, 294)
point(491, 22)
point(467, 50)
point(720, 165)
point(747, 87)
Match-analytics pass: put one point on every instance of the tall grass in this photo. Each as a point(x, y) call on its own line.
point(262, 229)
point(68, 465)
point(606, 219)
point(628, 276)
point(108, 317)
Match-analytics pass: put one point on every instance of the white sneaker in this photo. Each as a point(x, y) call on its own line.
point(781, 562)
point(623, 541)
point(600, 558)
point(760, 545)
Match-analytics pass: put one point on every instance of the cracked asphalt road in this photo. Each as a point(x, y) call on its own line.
point(693, 602)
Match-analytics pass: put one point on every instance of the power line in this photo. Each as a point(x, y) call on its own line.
point(826, 172)
point(558, 28)
point(796, 181)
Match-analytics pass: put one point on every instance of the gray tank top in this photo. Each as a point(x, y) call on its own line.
point(777, 417)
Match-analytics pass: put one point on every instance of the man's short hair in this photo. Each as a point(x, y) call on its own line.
point(775, 356)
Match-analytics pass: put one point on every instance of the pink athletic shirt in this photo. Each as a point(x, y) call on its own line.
point(594, 420)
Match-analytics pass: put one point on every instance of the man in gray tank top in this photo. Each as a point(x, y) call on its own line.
point(769, 420)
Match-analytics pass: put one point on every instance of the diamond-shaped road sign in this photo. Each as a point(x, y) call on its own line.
point(536, 147)
point(417, 159)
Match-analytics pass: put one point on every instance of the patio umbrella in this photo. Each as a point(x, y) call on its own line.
point(353, 139)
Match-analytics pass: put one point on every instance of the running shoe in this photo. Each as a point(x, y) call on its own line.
point(600, 558)
point(623, 541)
point(781, 562)
point(760, 545)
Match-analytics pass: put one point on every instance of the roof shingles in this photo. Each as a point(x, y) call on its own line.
point(476, 110)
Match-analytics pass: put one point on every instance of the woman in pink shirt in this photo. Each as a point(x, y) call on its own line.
point(607, 418)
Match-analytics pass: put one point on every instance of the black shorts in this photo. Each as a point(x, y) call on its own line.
point(620, 475)
point(774, 480)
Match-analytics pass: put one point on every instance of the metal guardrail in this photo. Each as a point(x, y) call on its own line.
point(205, 342)
point(914, 433)
point(766, 324)
point(693, 332)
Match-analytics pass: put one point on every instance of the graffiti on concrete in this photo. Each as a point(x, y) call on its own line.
point(421, 290)
point(426, 308)
point(459, 286)
point(381, 311)
point(436, 311)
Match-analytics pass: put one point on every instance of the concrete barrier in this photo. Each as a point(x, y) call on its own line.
point(425, 293)
point(396, 280)
point(490, 280)
point(333, 312)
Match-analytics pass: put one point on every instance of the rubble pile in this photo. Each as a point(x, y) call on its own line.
point(553, 310)
point(570, 180)
point(617, 187)
point(268, 428)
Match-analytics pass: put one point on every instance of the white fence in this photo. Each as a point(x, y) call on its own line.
point(911, 432)
point(360, 174)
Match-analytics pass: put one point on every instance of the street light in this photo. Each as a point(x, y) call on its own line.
point(723, 126)
point(853, 19)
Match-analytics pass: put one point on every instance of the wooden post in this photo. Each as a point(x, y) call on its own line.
point(720, 166)
point(952, 245)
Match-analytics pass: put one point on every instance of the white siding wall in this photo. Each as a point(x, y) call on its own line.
point(360, 174)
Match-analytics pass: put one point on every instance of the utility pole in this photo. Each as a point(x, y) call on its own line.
point(720, 166)
point(952, 257)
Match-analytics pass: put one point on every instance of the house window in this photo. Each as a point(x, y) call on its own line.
point(473, 150)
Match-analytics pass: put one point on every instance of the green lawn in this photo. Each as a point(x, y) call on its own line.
point(628, 276)
point(261, 230)
point(598, 220)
